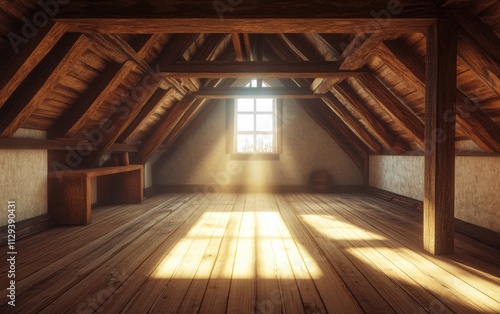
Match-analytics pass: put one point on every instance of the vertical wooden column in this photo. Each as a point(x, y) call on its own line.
point(439, 180)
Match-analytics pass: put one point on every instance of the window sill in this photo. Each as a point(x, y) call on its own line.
point(254, 157)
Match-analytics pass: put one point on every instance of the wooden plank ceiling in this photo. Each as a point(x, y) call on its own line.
point(133, 77)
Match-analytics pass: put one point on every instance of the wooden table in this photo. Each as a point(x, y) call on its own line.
point(70, 196)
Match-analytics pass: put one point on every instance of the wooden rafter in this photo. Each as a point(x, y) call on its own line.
point(352, 123)
point(34, 88)
point(16, 66)
point(302, 47)
point(249, 69)
point(175, 48)
point(372, 122)
point(73, 120)
point(166, 126)
point(398, 111)
point(149, 108)
point(478, 47)
point(207, 52)
point(479, 127)
point(121, 118)
point(238, 47)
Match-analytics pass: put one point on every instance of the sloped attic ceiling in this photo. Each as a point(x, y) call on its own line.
point(133, 75)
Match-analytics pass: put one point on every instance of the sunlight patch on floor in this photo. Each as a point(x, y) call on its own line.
point(258, 237)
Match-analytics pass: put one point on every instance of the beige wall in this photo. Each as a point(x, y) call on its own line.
point(477, 184)
point(23, 179)
point(306, 147)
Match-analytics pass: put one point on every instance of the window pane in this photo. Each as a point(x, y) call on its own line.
point(265, 104)
point(245, 104)
point(264, 122)
point(245, 143)
point(245, 122)
point(264, 143)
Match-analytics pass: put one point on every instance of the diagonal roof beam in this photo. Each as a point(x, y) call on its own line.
point(165, 127)
point(372, 122)
point(346, 116)
point(34, 88)
point(73, 120)
point(398, 111)
point(151, 106)
point(479, 127)
point(353, 57)
point(208, 51)
point(17, 65)
point(121, 118)
point(478, 47)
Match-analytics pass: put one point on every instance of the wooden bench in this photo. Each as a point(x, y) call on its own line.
point(70, 195)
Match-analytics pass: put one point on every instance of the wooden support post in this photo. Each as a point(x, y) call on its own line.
point(439, 180)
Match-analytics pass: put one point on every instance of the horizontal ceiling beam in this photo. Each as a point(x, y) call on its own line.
point(257, 69)
point(246, 92)
point(62, 145)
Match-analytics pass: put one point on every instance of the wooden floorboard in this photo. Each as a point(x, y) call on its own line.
point(251, 253)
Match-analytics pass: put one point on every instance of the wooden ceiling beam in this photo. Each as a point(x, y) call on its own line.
point(144, 48)
point(398, 111)
point(175, 48)
point(242, 92)
point(149, 108)
point(44, 77)
point(372, 122)
point(59, 145)
point(353, 57)
point(302, 47)
point(478, 47)
point(350, 121)
point(282, 16)
point(265, 69)
point(120, 51)
point(207, 52)
point(17, 64)
point(121, 118)
point(480, 128)
point(166, 126)
point(73, 120)
point(359, 50)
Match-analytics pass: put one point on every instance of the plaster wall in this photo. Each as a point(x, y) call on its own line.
point(306, 147)
point(477, 184)
point(23, 179)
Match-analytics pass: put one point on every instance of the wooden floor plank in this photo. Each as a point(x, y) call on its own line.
point(251, 253)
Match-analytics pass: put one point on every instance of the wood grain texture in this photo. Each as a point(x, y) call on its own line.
point(248, 70)
point(16, 66)
point(377, 128)
point(304, 249)
point(399, 112)
point(96, 94)
point(351, 122)
point(439, 177)
point(31, 92)
point(472, 119)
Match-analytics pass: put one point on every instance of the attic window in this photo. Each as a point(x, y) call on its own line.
point(254, 126)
